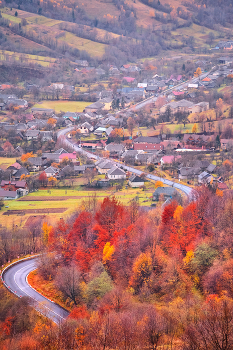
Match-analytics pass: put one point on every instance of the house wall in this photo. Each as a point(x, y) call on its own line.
point(84, 130)
point(107, 106)
point(136, 184)
point(103, 171)
point(90, 110)
point(146, 146)
point(117, 177)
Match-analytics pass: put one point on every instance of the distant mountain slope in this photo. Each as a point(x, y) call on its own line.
point(115, 30)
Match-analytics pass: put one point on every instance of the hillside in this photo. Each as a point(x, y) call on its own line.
point(110, 31)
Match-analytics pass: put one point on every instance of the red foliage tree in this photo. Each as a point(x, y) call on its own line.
point(43, 179)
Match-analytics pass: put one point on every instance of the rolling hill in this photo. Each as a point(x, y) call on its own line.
point(112, 30)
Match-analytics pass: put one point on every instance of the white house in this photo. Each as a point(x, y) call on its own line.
point(4, 194)
point(116, 173)
point(136, 181)
point(103, 166)
point(86, 128)
point(51, 171)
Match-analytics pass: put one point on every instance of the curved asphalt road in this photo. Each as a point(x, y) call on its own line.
point(15, 279)
point(186, 189)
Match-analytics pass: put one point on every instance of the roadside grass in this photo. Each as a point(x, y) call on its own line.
point(64, 106)
point(47, 288)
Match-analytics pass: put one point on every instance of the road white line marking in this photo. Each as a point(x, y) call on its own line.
point(38, 302)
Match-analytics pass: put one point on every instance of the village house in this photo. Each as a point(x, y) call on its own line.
point(94, 107)
point(7, 195)
point(70, 156)
point(136, 181)
point(165, 160)
point(101, 131)
point(31, 134)
point(51, 171)
point(107, 101)
point(86, 128)
point(52, 157)
point(16, 174)
point(185, 106)
point(36, 163)
point(147, 143)
point(15, 166)
point(165, 192)
point(116, 173)
point(46, 136)
point(103, 166)
point(17, 102)
point(115, 149)
point(142, 158)
point(13, 185)
point(188, 173)
point(43, 111)
point(205, 178)
point(129, 156)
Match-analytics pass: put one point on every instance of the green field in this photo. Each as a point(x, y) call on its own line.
point(71, 204)
point(92, 47)
point(11, 18)
point(41, 60)
point(5, 162)
point(64, 106)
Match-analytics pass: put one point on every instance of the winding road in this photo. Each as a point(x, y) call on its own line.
point(186, 189)
point(15, 276)
point(15, 279)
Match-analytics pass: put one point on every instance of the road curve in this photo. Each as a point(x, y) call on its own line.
point(15, 279)
point(186, 189)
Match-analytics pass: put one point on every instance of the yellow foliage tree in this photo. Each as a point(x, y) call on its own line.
point(198, 72)
point(192, 117)
point(108, 252)
point(194, 128)
point(26, 156)
point(158, 184)
point(189, 256)
point(219, 104)
point(178, 212)
point(52, 121)
point(142, 270)
point(52, 180)
point(45, 232)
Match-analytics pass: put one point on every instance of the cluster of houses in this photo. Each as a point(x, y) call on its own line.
point(7, 101)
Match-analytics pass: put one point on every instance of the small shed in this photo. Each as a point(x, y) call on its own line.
point(136, 181)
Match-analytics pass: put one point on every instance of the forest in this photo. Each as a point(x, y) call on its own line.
point(131, 278)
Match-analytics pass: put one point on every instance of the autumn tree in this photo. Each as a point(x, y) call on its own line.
point(68, 281)
point(194, 128)
point(43, 178)
point(51, 122)
point(25, 157)
point(198, 72)
point(213, 329)
point(142, 270)
point(130, 125)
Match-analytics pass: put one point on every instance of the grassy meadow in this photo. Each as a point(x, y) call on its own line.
point(5, 162)
point(41, 201)
point(58, 106)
